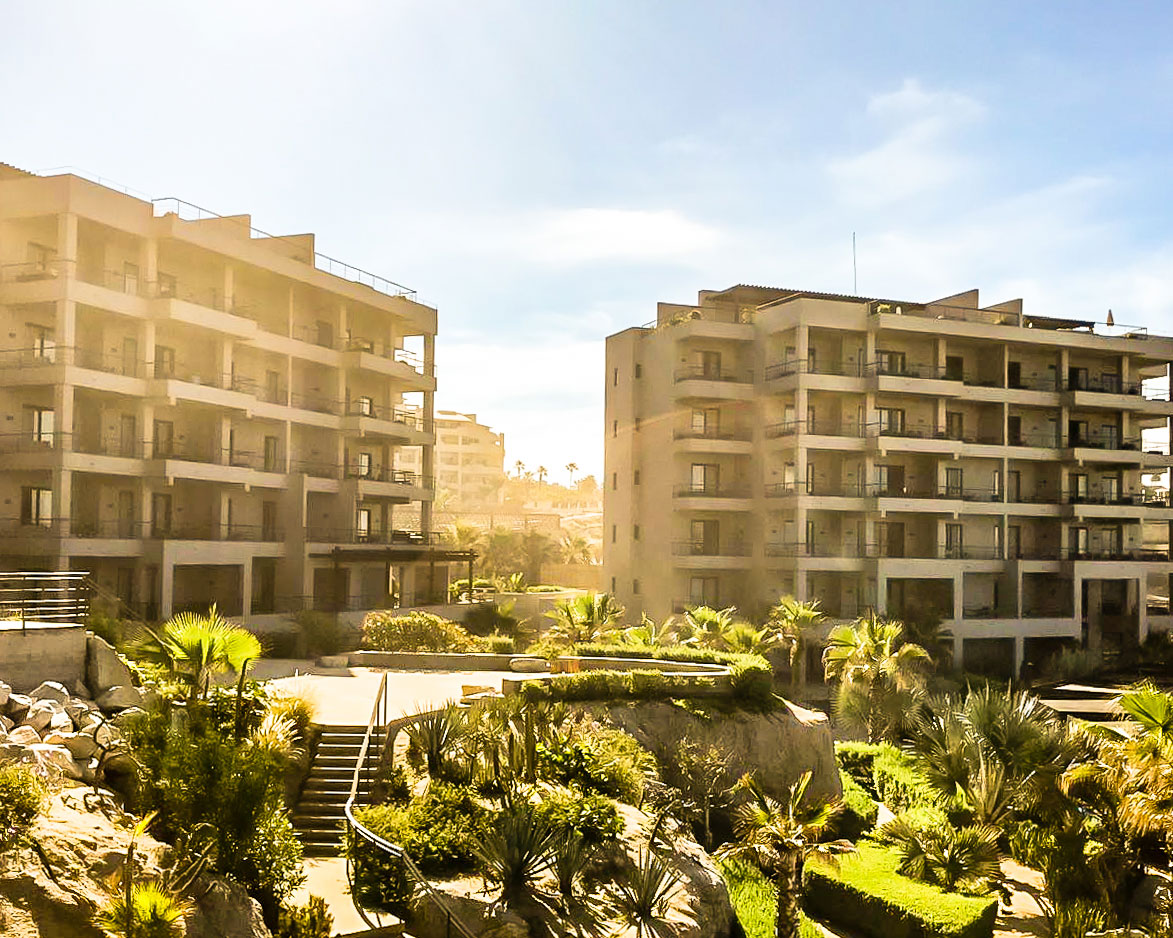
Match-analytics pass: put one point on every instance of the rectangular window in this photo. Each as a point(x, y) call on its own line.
point(36, 506)
point(954, 483)
point(362, 524)
point(637, 424)
point(164, 361)
point(614, 532)
point(612, 584)
point(954, 424)
point(615, 377)
point(1110, 486)
point(890, 363)
point(1078, 486)
point(639, 371)
point(812, 361)
point(635, 586)
point(164, 439)
point(809, 543)
point(704, 536)
point(1112, 541)
point(40, 422)
point(702, 591)
point(268, 521)
point(1076, 379)
point(997, 541)
point(129, 277)
point(44, 347)
point(325, 334)
point(788, 419)
point(614, 481)
point(160, 515)
point(997, 492)
point(271, 463)
point(703, 477)
point(635, 532)
point(1079, 541)
point(167, 284)
point(954, 368)
point(710, 364)
point(891, 420)
point(636, 477)
point(954, 548)
point(364, 465)
point(363, 407)
point(1014, 430)
point(614, 428)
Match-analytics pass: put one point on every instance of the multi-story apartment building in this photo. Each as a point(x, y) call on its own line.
point(470, 460)
point(195, 411)
point(980, 465)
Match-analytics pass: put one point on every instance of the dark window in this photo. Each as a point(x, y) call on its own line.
point(636, 477)
point(635, 532)
point(639, 371)
point(614, 531)
point(615, 377)
point(635, 586)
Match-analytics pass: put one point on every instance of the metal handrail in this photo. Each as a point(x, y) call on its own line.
point(356, 827)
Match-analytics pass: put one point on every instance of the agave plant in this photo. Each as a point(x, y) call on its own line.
point(644, 896)
point(147, 911)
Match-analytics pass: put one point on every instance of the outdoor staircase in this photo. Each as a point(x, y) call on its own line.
point(318, 816)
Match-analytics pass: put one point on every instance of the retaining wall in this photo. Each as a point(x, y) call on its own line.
point(42, 651)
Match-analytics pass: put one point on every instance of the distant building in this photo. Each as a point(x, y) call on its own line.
point(470, 461)
point(975, 464)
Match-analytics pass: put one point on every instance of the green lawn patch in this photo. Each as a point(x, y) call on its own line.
point(755, 900)
point(867, 895)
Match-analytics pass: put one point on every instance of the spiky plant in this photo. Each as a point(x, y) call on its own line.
point(151, 912)
point(780, 836)
point(435, 735)
point(644, 896)
point(585, 618)
point(953, 858)
point(708, 627)
point(569, 860)
point(517, 851)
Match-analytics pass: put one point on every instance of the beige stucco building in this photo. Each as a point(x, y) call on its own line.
point(196, 411)
point(976, 463)
point(470, 460)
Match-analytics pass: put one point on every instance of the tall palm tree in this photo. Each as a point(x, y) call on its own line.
point(195, 647)
point(542, 473)
point(577, 549)
point(796, 621)
point(520, 467)
point(571, 469)
point(537, 549)
point(879, 674)
point(780, 836)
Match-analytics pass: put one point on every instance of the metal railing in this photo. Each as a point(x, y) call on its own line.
point(706, 548)
point(711, 491)
point(379, 733)
point(702, 373)
point(691, 433)
point(818, 427)
point(60, 596)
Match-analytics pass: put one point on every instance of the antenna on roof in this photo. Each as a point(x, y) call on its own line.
point(854, 269)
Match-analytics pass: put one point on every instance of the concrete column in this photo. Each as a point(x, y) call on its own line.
point(67, 237)
point(62, 486)
point(146, 340)
point(881, 602)
point(224, 512)
point(958, 598)
point(229, 287)
point(166, 586)
point(1095, 633)
point(246, 587)
point(428, 450)
point(344, 335)
point(148, 262)
point(63, 413)
point(958, 653)
point(1019, 653)
point(224, 437)
point(65, 329)
point(226, 355)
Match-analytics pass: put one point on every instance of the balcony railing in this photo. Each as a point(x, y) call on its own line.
point(891, 370)
point(1114, 553)
point(784, 489)
point(1104, 384)
point(815, 427)
point(796, 366)
point(372, 473)
point(701, 373)
point(714, 433)
point(390, 537)
point(707, 548)
point(1109, 441)
point(960, 493)
point(711, 491)
point(316, 402)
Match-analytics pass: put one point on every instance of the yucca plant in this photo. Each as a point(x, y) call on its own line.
point(435, 735)
point(569, 860)
point(276, 737)
point(651, 633)
point(517, 851)
point(644, 896)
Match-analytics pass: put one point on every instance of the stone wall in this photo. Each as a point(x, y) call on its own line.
point(42, 651)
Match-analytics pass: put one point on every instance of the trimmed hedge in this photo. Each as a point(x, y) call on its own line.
point(616, 685)
point(866, 894)
point(897, 782)
point(755, 901)
point(858, 813)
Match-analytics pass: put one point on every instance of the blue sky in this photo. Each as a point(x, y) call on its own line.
point(544, 172)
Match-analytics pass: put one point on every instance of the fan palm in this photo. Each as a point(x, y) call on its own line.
point(708, 627)
point(650, 633)
point(780, 836)
point(879, 674)
point(796, 621)
point(953, 858)
point(585, 618)
point(196, 647)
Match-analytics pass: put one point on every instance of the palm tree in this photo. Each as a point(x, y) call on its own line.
point(571, 469)
point(577, 549)
point(586, 618)
point(196, 647)
point(537, 549)
point(879, 674)
point(542, 473)
point(465, 536)
point(651, 633)
point(708, 627)
point(780, 836)
point(520, 467)
point(796, 620)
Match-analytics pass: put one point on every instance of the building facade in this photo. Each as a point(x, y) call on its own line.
point(470, 461)
point(942, 460)
point(195, 411)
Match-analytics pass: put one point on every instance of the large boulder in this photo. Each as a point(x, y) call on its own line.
point(225, 910)
point(777, 746)
point(41, 714)
point(81, 747)
point(17, 706)
point(24, 736)
point(51, 690)
point(104, 669)
point(5, 693)
point(57, 760)
point(120, 697)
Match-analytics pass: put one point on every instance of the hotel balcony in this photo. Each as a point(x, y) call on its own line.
point(696, 382)
point(730, 554)
point(733, 442)
point(713, 497)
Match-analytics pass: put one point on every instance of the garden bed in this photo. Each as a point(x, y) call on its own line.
point(433, 660)
point(866, 894)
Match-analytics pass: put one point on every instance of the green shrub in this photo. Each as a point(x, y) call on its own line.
point(312, 920)
point(866, 894)
point(594, 817)
point(751, 680)
point(602, 759)
point(438, 830)
point(897, 783)
point(296, 705)
point(488, 618)
point(496, 644)
point(616, 685)
point(755, 901)
point(392, 785)
point(415, 631)
point(856, 760)
point(380, 881)
point(322, 633)
point(22, 795)
point(858, 812)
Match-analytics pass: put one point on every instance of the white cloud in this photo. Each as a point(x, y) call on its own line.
point(919, 154)
point(586, 235)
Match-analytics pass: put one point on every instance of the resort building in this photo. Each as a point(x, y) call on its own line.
point(470, 461)
point(196, 411)
point(974, 465)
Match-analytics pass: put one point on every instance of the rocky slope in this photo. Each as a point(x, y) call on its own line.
point(83, 835)
point(778, 746)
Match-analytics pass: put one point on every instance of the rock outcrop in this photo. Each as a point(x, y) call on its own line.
point(84, 836)
point(778, 746)
point(104, 669)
